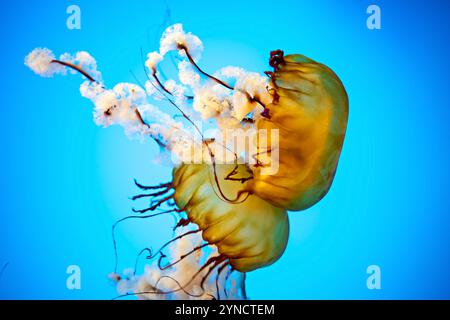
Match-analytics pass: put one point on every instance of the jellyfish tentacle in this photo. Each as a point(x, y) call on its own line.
point(159, 186)
point(159, 202)
point(157, 291)
point(182, 223)
point(244, 291)
point(160, 250)
point(191, 60)
point(217, 80)
point(219, 259)
point(74, 67)
point(214, 261)
point(227, 277)
point(219, 271)
point(155, 203)
point(182, 257)
point(180, 288)
point(154, 194)
point(114, 226)
point(149, 250)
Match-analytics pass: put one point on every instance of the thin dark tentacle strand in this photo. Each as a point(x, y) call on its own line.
point(159, 186)
point(182, 288)
point(217, 80)
point(139, 255)
point(183, 222)
point(225, 282)
point(184, 256)
point(154, 194)
point(153, 207)
point(141, 121)
point(124, 219)
point(159, 83)
point(74, 67)
point(136, 79)
point(157, 291)
point(230, 271)
point(140, 210)
point(219, 271)
point(148, 76)
point(212, 260)
point(244, 292)
point(173, 240)
point(234, 172)
point(176, 217)
point(218, 261)
point(160, 202)
point(258, 162)
point(191, 60)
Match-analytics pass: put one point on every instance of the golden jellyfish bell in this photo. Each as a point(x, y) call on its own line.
point(310, 112)
point(252, 233)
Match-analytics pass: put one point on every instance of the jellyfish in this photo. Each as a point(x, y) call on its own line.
point(228, 201)
point(250, 234)
point(310, 110)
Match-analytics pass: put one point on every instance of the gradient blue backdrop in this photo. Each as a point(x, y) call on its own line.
point(64, 181)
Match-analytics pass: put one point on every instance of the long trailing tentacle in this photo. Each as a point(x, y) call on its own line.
point(217, 262)
point(162, 89)
point(158, 202)
point(156, 291)
point(221, 82)
point(191, 60)
point(160, 250)
point(219, 271)
point(243, 290)
point(214, 261)
point(154, 203)
point(124, 219)
point(161, 189)
point(141, 120)
point(181, 258)
point(227, 277)
point(154, 206)
point(149, 250)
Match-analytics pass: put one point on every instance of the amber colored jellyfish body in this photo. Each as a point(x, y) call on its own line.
point(310, 110)
point(251, 234)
